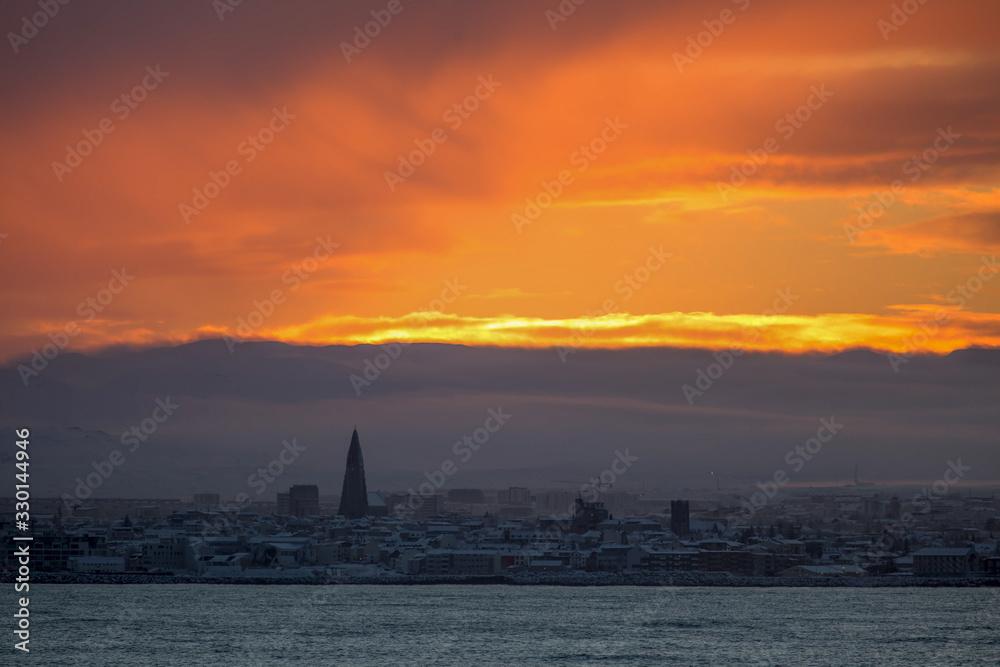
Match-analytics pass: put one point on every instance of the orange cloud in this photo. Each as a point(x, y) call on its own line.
point(925, 329)
point(656, 185)
point(969, 233)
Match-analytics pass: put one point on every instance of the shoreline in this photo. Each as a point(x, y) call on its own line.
point(576, 579)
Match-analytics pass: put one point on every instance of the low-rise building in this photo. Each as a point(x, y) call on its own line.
point(944, 562)
point(96, 564)
point(822, 571)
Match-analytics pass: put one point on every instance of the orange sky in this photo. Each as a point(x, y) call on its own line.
point(644, 206)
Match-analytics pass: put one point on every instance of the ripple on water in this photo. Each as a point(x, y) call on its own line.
point(500, 625)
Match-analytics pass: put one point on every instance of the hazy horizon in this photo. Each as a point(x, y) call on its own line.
point(566, 420)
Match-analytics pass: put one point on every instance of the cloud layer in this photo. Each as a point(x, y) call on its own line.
point(750, 158)
point(680, 411)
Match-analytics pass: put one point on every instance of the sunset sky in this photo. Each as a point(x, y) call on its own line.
point(651, 240)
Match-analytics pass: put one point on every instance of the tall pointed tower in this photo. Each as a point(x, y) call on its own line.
point(354, 496)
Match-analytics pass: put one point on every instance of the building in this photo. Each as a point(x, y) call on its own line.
point(414, 506)
point(618, 557)
point(207, 501)
point(680, 517)
point(822, 571)
point(547, 565)
point(461, 561)
point(283, 504)
point(514, 495)
point(377, 505)
point(224, 565)
point(430, 506)
point(670, 560)
point(467, 496)
point(165, 554)
point(97, 564)
point(735, 562)
point(50, 552)
point(285, 552)
point(944, 562)
point(354, 497)
point(619, 503)
point(303, 500)
point(554, 501)
point(588, 516)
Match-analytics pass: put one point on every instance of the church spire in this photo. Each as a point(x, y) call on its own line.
point(354, 496)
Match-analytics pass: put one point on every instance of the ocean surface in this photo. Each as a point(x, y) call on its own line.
point(252, 626)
